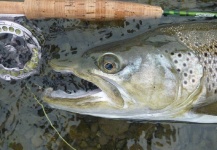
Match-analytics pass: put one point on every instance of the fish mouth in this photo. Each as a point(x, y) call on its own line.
point(49, 92)
point(85, 101)
point(79, 101)
point(94, 102)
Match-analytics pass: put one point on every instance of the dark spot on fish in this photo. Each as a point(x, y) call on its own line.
point(140, 22)
point(193, 80)
point(178, 70)
point(172, 53)
point(189, 54)
point(184, 64)
point(215, 91)
point(175, 61)
point(181, 39)
point(204, 67)
point(108, 35)
point(210, 69)
point(73, 48)
point(166, 51)
point(207, 79)
point(211, 47)
point(179, 55)
point(137, 26)
point(196, 44)
point(74, 52)
point(102, 31)
point(185, 82)
point(127, 23)
point(191, 71)
point(130, 31)
point(205, 54)
point(187, 59)
point(185, 74)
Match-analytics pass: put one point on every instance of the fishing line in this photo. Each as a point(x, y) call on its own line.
point(48, 119)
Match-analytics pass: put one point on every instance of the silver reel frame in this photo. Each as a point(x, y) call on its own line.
point(9, 27)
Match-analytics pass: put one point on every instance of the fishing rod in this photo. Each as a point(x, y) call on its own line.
point(100, 10)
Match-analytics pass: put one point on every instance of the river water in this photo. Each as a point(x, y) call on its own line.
point(23, 124)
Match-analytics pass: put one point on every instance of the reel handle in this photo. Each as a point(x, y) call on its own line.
point(100, 10)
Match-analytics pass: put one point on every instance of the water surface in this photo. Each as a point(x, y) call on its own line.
point(23, 124)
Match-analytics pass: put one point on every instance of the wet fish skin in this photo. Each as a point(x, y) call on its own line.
point(160, 75)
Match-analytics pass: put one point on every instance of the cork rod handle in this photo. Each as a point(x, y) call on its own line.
point(7, 7)
point(81, 9)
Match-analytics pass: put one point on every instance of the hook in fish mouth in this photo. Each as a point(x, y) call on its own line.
point(17, 42)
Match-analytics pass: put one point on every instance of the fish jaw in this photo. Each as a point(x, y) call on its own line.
point(83, 100)
point(79, 102)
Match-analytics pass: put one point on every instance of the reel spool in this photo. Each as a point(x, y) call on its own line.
point(20, 51)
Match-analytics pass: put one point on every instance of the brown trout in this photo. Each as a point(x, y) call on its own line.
point(169, 73)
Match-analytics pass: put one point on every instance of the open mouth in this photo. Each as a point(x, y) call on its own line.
point(78, 94)
point(89, 96)
point(69, 86)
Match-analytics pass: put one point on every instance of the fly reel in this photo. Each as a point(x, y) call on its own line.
point(20, 52)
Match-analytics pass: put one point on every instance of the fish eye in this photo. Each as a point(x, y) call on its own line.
point(109, 66)
point(109, 63)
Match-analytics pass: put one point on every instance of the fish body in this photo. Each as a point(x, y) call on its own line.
point(168, 73)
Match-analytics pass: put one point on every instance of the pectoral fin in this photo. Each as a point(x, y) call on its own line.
point(210, 109)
